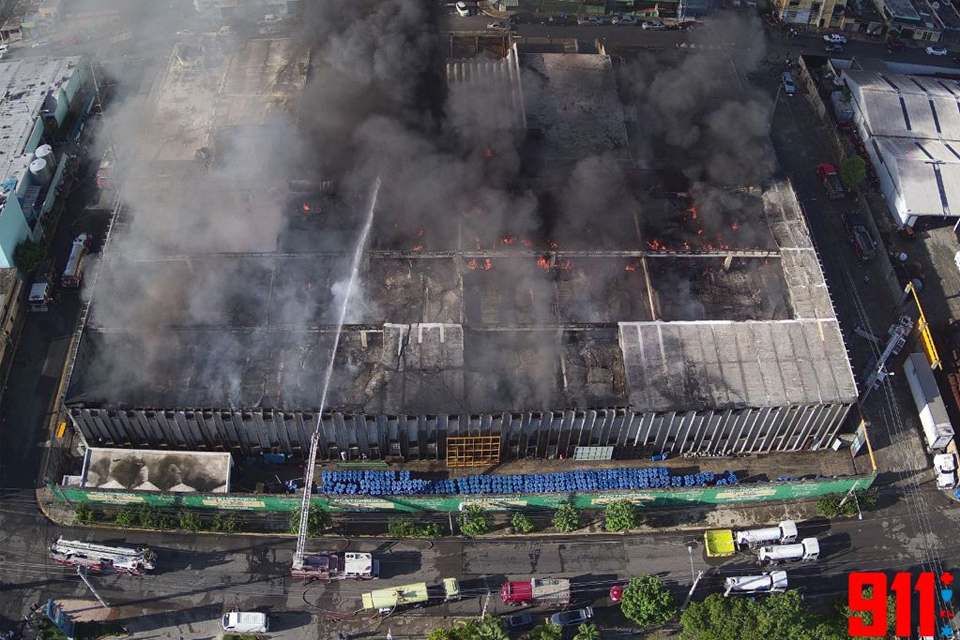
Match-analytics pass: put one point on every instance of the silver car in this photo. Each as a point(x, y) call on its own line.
point(571, 617)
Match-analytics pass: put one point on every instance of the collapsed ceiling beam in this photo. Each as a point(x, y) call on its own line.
point(467, 254)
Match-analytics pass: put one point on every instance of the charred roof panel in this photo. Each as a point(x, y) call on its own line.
point(725, 365)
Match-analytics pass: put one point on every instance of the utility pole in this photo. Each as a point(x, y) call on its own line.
point(853, 493)
point(696, 581)
point(83, 576)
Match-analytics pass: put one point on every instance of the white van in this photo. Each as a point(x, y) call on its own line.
point(245, 622)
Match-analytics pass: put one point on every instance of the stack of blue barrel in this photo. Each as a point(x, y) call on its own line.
point(726, 478)
point(400, 483)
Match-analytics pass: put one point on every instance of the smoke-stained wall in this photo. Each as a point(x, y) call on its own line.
point(524, 435)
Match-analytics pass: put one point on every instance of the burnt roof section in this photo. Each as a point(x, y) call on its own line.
point(667, 301)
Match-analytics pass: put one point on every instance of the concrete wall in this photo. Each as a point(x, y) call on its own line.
point(451, 504)
point(538, 435)
point(13, 229)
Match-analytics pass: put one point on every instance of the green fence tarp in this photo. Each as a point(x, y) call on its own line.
point(414, 504)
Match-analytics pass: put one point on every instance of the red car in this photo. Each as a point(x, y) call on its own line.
point(616, 592)
point(103, 176)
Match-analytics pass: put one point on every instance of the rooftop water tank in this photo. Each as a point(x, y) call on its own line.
point(45, 152)
point(41, 172)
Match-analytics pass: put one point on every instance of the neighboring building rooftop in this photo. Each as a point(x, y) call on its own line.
point(8, 280)
point(146, 470)
point(27, 87)
point(573, 101)
point(902, 10)
point(914, 127)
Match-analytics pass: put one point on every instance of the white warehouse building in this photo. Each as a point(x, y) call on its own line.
point(910, 125)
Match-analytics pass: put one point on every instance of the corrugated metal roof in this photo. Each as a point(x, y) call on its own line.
point(727, 365)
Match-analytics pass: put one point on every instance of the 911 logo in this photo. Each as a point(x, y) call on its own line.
point(867, 593)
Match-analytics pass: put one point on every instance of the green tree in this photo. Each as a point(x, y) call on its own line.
point(521, 524)
point(125, 518)
point(621, 515)
point(28, 255)
point(647, 602)
point(852, 172)
point(442, 633)
point(225, 523)
point(488, 628)
point(587, 631)
point(844, 613)
point(546, 631)
point(318, 521)
point(84, 514)
point(188, 521)
point(567, 518)
point(405, 528)
point(474, 521)
point(782, 616)
point(831, 507)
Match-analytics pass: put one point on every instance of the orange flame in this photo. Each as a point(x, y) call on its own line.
point(686, 246)
point(710, 246)
point(551, 244)
point(472, 265)
point(656, 245)
point(693, 211)
point(543, 262)
point(418, 247)
point(630, 267)
point(508, 240)
point(487, 265)
point(306, 207)
point(735, 225)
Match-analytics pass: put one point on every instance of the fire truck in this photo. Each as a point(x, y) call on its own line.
point(417, 594)
point(551, 591)
point(337, 566)
point(102, 558)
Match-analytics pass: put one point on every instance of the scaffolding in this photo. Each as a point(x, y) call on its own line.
point(473, 451)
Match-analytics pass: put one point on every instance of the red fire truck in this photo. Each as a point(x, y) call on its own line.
point(550, 591)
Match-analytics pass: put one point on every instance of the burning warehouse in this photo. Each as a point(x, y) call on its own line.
point(490, 303)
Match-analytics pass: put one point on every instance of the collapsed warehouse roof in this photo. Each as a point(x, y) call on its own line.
point(673, 302)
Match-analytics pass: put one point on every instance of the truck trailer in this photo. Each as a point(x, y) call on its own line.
point(772, 582)
point(937, 430)
point(807, 550)
point(550, 591)
point(784, 533)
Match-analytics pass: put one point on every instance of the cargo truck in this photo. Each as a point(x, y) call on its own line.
point(945, 464)
point(772, 582)
point(807, 550)
point(417, 594)
point(550, 591)
point(784, 533)
point(42, 292)
point(937, 430)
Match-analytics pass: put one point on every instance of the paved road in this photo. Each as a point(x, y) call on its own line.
point(199, 577)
